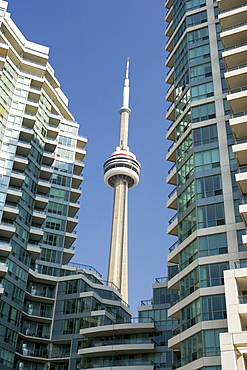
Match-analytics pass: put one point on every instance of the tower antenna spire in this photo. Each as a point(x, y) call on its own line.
point(121, 172)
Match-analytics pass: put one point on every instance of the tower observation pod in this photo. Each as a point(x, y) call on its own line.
point(121, 172)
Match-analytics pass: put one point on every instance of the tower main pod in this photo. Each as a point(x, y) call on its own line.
point(121, 172)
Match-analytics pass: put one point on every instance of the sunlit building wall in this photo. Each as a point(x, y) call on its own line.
point(208, 225)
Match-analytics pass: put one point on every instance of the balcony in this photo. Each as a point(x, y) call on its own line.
point(48, 158)
point(45, 172)
point(170, 77)
point(169, 29)
point(10, 212)
point(37, 314)
point(171, 153)
point(3, 269)
point(5, 247)
point(54, 121)
point(41, 201)
point(38, 216)
point(7, 229)
point(234, 36)
point(35, 233)
point(170, 96)
point(75, 195)
point(78, 167)
point(80, 154)
point(240, 152)
point(241, 179)
point(170, 115)
point(69, 239)
point(238, 100)
point(235, 55)
point(236, 77)
point(130, 326)
point(68, 254)
point(224, 5)
point(26, 134)
point(73, 209)
point(17, 178)
point(13, 195)
point(23, 148)
point(20, 163)
point(172, 201)
point(50, 144)
point(120, 347)
point(172, 175)
point(76, 181)
point(243, 210)
point(53, 131)
point(233, 17)
point(172, 228)
point(238, 125)
point(43, 186)
point(81, 142)
point(71, 223)
point(34, 250)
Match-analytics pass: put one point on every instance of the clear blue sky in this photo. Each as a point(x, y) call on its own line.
point(89, 41)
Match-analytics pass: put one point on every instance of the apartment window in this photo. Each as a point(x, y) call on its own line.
point(211, 339)
point(54, 223)
point(67, 141)
point(49, 255)
point(187, 226)
point(210, 245)
point(63, 166)
point(212, 275)
point(197, 18)
point(198, 35)
point(210, 215)
point(238, 217)
point(184, 147)
point(199, 53)
point(7, 357)
point(191, 349)
point(207, 159)
point(202, 91)
point(61, 180)
point(188, 254)
point(59, 194)
point(11, 337)
point(53, 239)
point(200, 71)
point(186, 198)
point(189, 283)
point(209, 186)
point(191, 314)
point(183, 103)
point(65, 154)
point(203, 112)
point(194, 4)
point(186, 171)
point(213, 307)
point(226, 107)
point(232, 158)
point(183, 125)
point(241, 247)
point(205, 135)
point(71, 286)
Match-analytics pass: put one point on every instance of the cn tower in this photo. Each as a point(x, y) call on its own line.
point(121, 172)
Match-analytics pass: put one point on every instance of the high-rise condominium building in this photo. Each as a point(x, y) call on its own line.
point(233, 21)
point(43, 302)
point(208, 226)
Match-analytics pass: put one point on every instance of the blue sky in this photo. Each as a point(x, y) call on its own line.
point(89, 41)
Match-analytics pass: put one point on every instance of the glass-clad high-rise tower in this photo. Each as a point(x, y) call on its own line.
point(207, 226)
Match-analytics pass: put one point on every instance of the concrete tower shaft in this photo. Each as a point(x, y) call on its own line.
point(121, 172)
